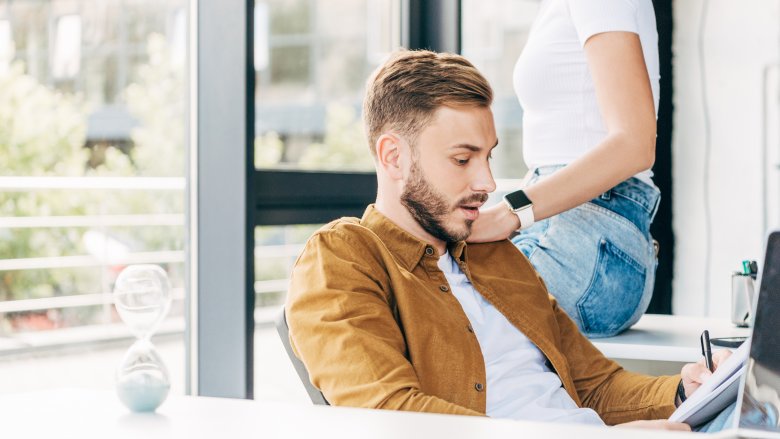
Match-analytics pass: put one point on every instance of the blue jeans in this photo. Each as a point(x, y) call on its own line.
point(724, 420)
point(598, 259)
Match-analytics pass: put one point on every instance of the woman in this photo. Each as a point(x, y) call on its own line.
point(588, 82)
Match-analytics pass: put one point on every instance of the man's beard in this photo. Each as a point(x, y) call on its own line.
point(430, 209)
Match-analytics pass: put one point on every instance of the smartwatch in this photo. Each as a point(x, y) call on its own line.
point(521, 206)
point(681, 392)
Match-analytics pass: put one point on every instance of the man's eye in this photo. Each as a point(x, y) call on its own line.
point(461, 162)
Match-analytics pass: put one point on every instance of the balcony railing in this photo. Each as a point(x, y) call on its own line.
point(29, 341)
point(19, 342)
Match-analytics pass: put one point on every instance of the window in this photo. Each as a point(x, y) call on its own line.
point(66, 56)
point(311, 63)
point(92, 180)
point(493, 35)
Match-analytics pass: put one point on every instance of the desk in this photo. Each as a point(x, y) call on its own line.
point(98, 414)
point(661, 344)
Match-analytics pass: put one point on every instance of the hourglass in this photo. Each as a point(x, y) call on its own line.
point(142, 295)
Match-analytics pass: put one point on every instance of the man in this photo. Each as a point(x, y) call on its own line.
point(395, 311)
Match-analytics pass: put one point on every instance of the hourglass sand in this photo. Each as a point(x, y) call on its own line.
point(142, 295)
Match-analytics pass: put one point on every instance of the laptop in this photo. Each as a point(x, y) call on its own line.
point(758, 400)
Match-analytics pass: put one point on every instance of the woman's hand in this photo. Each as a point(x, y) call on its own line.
point(494, 223)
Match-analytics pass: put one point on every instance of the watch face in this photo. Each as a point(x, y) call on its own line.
point(517, 199)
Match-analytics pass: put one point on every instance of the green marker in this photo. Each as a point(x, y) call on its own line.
point(746, 268)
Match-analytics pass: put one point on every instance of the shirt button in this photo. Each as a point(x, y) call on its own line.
point(444, 288)
point(429, 251)
point(479, 386)
point(470, 328)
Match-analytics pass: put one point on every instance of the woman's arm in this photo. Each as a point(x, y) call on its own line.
point(625, 99)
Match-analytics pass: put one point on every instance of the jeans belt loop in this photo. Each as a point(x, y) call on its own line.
point(655, 207)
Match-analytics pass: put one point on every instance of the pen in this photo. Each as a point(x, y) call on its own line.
point(706, 350)
point(750, 268)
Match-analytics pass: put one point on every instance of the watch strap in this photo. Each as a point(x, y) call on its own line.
point(525, 214)
point(681, 392)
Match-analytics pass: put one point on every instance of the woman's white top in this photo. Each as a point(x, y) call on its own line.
point(561, 117)
point(519, 383)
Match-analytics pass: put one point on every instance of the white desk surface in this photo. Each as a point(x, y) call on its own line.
point(74, 413)
point(666, 338)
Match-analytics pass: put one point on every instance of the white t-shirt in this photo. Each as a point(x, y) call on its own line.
point(561, 117)
point(519, 383)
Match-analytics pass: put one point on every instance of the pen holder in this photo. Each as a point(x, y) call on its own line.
point(742, 290)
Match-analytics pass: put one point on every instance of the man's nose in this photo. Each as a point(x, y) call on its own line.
point(483, 181)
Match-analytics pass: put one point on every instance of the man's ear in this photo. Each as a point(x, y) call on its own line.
point(389, 155)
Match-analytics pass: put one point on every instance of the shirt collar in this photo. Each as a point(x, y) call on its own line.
point(406, 247)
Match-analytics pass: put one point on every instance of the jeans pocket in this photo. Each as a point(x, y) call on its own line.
point(614, 293)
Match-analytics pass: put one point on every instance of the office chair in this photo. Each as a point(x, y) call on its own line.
point(284, 333)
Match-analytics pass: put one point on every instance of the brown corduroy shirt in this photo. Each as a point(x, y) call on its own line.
point(373, 319)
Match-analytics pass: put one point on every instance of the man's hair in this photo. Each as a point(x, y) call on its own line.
point(404, 93)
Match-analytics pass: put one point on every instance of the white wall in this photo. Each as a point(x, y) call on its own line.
point(741, 39)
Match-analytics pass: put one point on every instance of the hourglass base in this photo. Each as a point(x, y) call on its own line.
point(142, 380)
point(142, 391)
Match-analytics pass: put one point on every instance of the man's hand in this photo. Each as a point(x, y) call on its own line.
point(694, 374)
point(658, 424)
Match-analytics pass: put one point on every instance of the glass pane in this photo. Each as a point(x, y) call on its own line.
point(276, 248)
point(494, 34)
point(312, 59)
point(92, 156)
